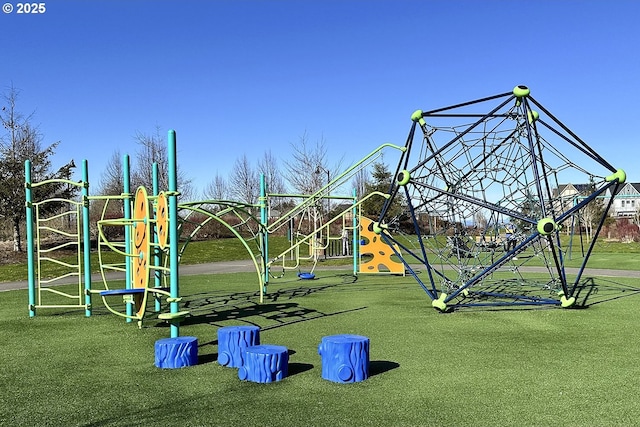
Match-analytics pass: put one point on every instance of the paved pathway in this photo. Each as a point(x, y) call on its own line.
point(247, 266)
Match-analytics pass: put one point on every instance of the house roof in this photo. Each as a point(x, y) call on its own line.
point(584, 188)
point(580, 188)
point(635, 187)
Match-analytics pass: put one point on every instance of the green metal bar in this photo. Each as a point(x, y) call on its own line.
point(55, 279)
point(61, 245)
point(55, 199)
point(355, 244)
point(156, 253)
point(57, 305)
point(58, 262)
point(30, 243)
point(264, 235)
point(108, 198)
point(306, 196)
point(86, 238)
point(56, 180)
point(126, 171)
point(173, 231)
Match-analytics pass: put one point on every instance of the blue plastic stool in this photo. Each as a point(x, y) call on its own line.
point(265, 364)
point(233, 340)
point(176, 352)
point(345, 358)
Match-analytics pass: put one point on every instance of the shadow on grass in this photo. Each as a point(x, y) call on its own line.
point(296, 368)
point(377, 367)
point(224, 298)
point(590, 291)
point(265, 316)
point(505, 295)
point(203, 359)
point(276, 311)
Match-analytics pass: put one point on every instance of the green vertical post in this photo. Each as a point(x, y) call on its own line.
point(264, 218)
point(30, 262)
point(355, 245)
point(156, 252)
point(86, 238)
point(173, 230)
point(126, 201)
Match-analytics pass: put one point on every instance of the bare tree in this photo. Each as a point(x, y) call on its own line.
point(22, 142)
point(305, 170)
point(111, 184)
point(152, 148)
point(360, 182)
point(244, 181)
point(268, 166)
point(112, 178)
point(216, 189)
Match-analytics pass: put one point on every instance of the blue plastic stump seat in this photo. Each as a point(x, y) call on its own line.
point(232, 340)
point(265, 364)
point(345, 358)
point(176, 352)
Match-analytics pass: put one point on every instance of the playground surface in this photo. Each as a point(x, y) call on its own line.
point(490, 367)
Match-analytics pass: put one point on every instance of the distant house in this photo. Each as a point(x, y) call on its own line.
point(567, 195)
point(626, 201)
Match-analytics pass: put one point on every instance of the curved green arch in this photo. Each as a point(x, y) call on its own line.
point(195, 207)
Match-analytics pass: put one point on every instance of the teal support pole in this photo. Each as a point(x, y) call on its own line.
point(156, 250)
point(30, 262)
point(127, 230)
point(86, 239)
point(173, 231)
point(355, 245)
point(264, 218)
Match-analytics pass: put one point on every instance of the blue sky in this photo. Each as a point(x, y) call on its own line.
point(243, 77)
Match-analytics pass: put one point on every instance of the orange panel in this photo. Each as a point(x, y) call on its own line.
point(376, 247)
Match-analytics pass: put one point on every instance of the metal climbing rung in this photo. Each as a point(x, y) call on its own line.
point(51, 272)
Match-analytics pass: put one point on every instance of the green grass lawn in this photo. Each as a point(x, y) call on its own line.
point(529, 367)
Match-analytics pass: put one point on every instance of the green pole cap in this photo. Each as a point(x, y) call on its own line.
point(547, 226)
point(533, 116)
point(404, 177)
point(620, 175)
point(377, 228)
point(567, 302)
point(439, 303)
point(521, 91)
point(417, 117)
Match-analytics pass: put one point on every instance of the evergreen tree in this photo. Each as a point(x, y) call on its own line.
point(22, 142)
point(381, 182)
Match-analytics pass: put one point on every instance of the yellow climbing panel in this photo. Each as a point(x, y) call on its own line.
point(375, 254)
